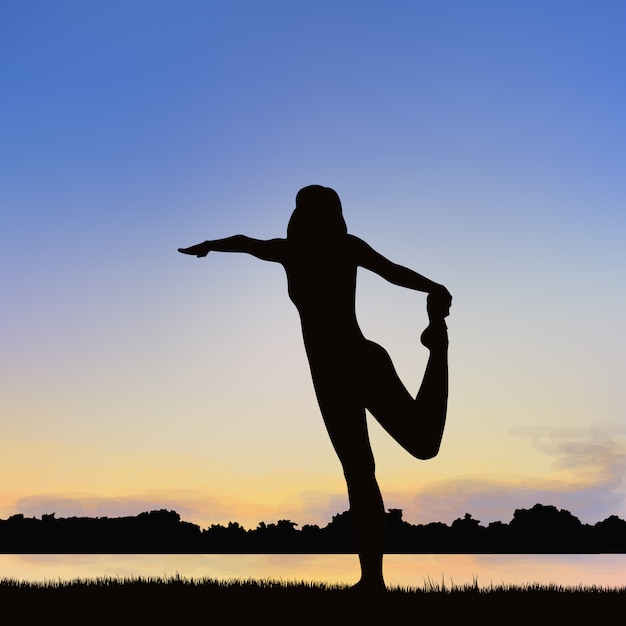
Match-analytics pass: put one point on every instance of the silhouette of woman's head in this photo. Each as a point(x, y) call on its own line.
point(317, 215)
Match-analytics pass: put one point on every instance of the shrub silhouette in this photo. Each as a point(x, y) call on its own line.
point(546, 529)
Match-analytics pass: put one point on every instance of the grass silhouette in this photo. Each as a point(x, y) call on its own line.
point(235, 601)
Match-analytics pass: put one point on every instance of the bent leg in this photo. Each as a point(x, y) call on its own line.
point(417, 424)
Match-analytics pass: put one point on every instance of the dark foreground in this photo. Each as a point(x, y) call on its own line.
point(184, 601)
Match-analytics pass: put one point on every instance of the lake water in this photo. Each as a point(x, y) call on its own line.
point(406, 570)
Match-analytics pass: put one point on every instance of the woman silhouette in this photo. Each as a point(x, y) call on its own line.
point(351, 373)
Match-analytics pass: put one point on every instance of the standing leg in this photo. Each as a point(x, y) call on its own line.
point(368, 520)
point(347, 428)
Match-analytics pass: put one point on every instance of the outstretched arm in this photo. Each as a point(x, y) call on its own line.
point(398, 274)
point(267, 250)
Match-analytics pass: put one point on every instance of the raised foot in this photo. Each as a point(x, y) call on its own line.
point(435, 337)
point(438, 304)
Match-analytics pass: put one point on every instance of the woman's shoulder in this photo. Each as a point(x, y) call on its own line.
point(358, 246)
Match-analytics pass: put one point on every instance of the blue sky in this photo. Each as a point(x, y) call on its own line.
point(480, 143)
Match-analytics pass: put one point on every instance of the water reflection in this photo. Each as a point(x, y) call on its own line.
point(408, 570)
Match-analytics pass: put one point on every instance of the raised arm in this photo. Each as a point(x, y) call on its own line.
point(267, 250)
point(368, 258)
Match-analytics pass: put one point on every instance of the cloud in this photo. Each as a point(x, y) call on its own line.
point(592, 486)
point(193, 506)
point(589, 464)
point(596, 454)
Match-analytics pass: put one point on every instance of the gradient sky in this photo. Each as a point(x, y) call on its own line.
point(481, 143)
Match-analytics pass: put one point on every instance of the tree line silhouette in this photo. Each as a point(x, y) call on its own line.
point(541, 529)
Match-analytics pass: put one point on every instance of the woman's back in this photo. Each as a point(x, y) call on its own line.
point(322, 284)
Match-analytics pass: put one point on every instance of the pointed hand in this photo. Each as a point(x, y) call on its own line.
point(199, 250)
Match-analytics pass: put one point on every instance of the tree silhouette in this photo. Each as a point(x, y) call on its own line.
point(541, 529)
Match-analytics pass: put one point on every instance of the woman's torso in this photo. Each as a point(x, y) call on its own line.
point(322, 285)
